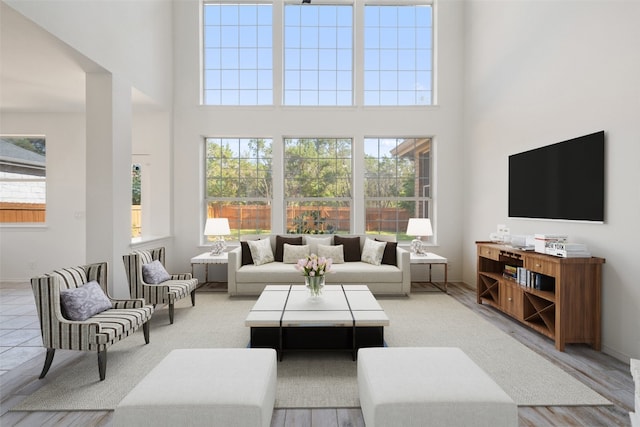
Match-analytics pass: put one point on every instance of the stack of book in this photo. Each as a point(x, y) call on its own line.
point(529, 279)
point(510, 272)
point(568, 250)
point(542, 241)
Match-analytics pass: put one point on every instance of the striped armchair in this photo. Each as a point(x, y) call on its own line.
point(99, 331)
point(168, 292)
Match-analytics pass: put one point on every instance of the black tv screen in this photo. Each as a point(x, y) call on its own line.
point(560, 181)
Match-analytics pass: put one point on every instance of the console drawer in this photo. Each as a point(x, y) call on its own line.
point(540, 265)
point(489, 252)
point(511, 299)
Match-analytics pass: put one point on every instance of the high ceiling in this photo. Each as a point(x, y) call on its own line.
point(40, 73)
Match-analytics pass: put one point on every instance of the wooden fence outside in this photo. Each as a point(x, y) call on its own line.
point(22, 212)
point(258, 216)
point(384, 219)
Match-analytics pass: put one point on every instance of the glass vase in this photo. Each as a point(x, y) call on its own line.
point(314, 284)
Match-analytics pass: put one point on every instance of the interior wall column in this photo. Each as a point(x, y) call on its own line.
point(108, 181)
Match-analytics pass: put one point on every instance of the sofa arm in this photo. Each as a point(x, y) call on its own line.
point(403, 260)
point(234, 262)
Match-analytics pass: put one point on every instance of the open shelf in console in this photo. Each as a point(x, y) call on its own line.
point(488, 287)
point(540, 311)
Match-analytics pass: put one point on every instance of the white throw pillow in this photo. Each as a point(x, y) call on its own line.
point(372, 252)
point(336, 253)
point(313, 243)
point(292, 253)
point(261, 251)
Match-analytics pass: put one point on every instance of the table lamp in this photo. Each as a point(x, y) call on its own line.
point(218, 227)
point(419, 227)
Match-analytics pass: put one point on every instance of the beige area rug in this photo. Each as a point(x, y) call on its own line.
point(311, 380)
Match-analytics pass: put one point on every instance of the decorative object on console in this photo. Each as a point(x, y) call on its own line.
point(217, 227)
point(568, 250)
point(419, 228)
point(544, 240)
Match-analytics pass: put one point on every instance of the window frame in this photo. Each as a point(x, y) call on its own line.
point(357, 71)
point(301, 92)
point(25, 163)
point(207, 200)
point(334, 201)
point(423, 203)
point(431, 60)
point(203, 56)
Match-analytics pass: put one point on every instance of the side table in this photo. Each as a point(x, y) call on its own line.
point(207, 259)
point(431, 258)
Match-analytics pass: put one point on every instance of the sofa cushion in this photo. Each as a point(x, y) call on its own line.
point(351, 247)
point(274, 272)
point(348, 272)
point(362, 272)
point(261, 251)
point(246, 253)
point(292, 253)
point(313, 242)
point(84, 301)
point(280, 241)
point(372, 251)
point(389, 257)
point(154, 273)
point(336, 253)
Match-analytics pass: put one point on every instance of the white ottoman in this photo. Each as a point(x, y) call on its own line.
point(204, 387)
point(429, 386)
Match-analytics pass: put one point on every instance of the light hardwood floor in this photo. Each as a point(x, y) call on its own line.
point(604, 374)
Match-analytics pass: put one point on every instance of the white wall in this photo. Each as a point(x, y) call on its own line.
point(31, 251)
point(544, 72)
point(192, 122)
point(130, 38)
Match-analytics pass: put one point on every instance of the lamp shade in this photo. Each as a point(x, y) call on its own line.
point(217, 227)
point(420, 227)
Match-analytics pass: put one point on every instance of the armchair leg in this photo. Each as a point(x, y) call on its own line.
point(193, 298)
point(47, 362)
point(102, 363)
point(145, 330)
point(171, 313)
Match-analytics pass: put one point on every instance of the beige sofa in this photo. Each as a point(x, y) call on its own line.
point(381, 279)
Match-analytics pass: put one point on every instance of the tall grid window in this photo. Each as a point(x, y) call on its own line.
point(397, 183)
point(23, 179)
point(318, 55)
point(238, 59)
point(398, 52)
point(239, 183)
point(317, 185)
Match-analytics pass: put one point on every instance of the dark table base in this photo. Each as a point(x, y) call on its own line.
point(317, 338)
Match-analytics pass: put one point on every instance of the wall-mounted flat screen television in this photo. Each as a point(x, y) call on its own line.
point(560, 181)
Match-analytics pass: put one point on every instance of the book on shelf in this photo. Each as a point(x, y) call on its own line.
point(510, 272)
point(533, 280)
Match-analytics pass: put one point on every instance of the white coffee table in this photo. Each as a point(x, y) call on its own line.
point(345, 317)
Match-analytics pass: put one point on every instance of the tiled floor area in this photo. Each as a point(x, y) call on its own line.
point(20, 339)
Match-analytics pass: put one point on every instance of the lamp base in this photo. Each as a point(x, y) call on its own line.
point(218, 247)
point(417, 247)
